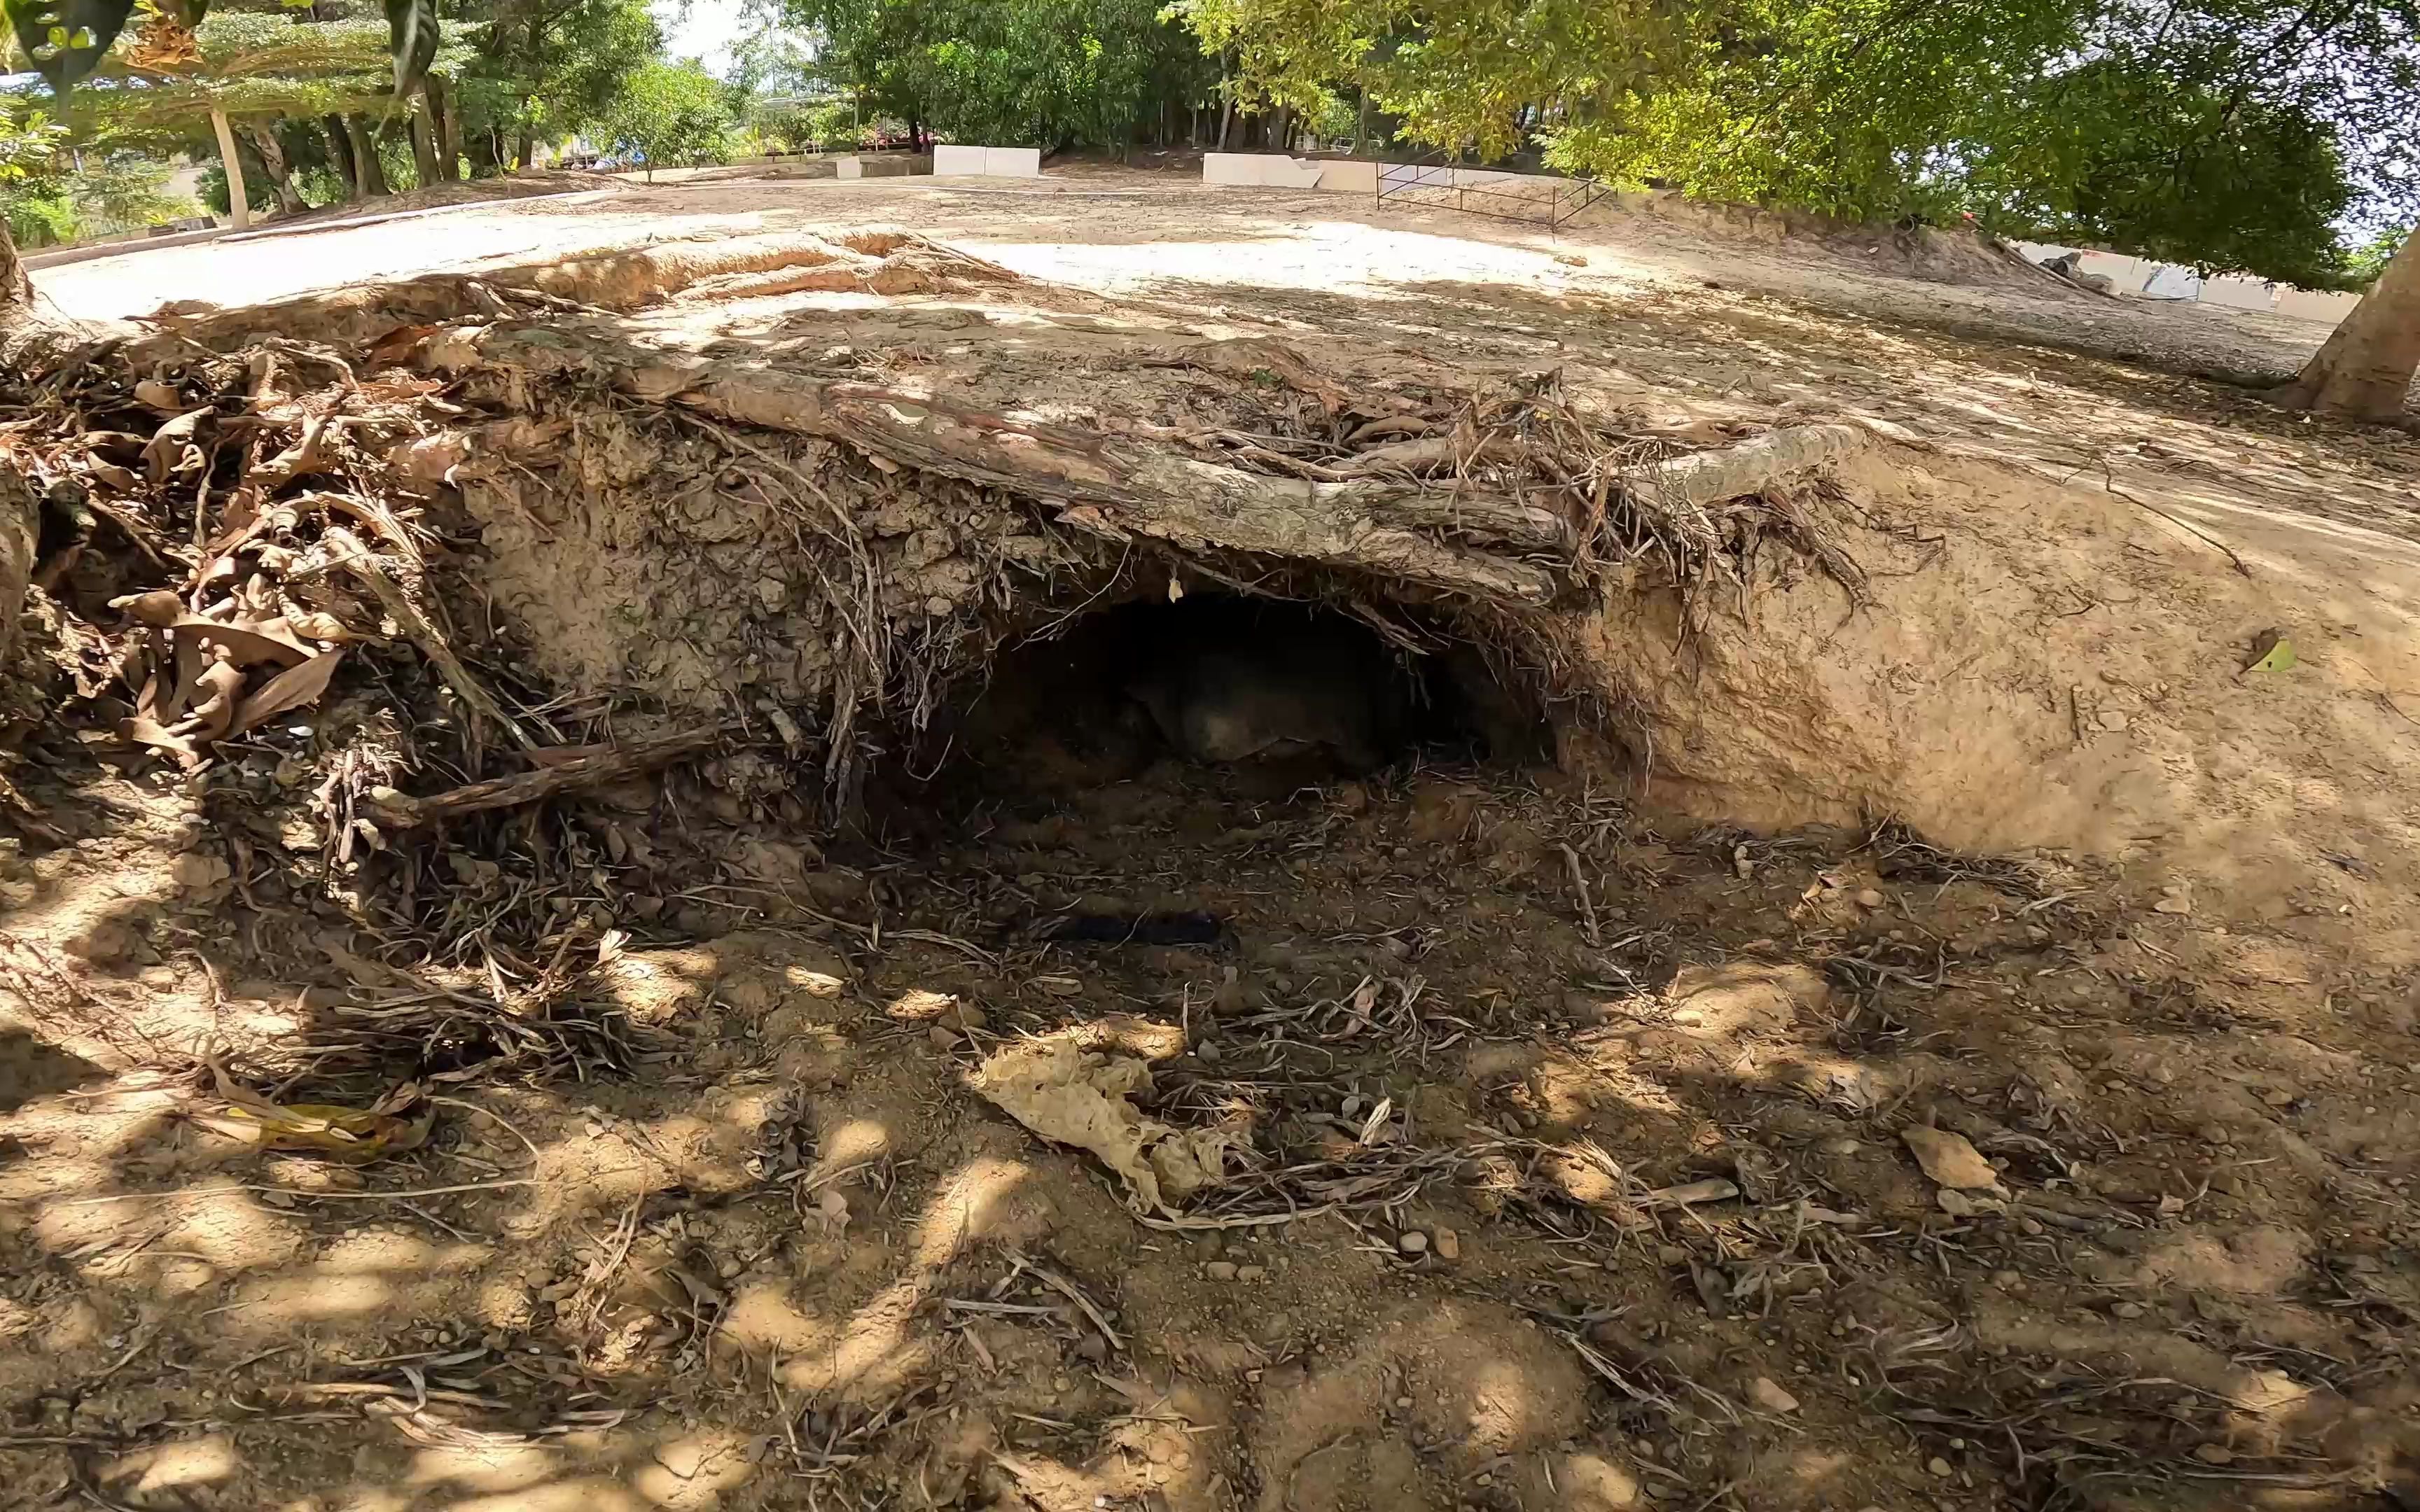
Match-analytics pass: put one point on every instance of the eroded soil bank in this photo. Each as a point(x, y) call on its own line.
point(1838, 989)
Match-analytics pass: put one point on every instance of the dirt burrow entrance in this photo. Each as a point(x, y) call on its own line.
point(1170, 968)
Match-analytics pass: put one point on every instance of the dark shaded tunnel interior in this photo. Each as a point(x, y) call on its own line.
point(1274, 694)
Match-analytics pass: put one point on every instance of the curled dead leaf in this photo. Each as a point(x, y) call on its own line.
point(318, 625)
point(354, 1135)
point(222, 685)
point(247, 644)
point(176, 444)
point(150, 732)
point(289, 689)
point(158, 607)
point(302, 456)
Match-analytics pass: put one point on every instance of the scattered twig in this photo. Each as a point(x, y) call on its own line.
point(397, 810)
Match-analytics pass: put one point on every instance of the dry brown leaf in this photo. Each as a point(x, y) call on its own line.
point(153, 395)
point(119, 445)
point(397, 345)
point(249, 644)
point(301, 457)
point(289, 689)
point(1948, 1158)
point(240, 518)
point(319, 626)
point(432, 459)
point(158, 607)
point(164, 452)
point(186, 661)
point(211, 720)
point(151, 732)
point(1054, 1088)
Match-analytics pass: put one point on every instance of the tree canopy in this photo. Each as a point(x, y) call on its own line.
point(672, 113)
point(1054, 73)
point(2233, 134)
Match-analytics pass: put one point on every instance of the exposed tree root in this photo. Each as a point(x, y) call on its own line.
point(576, 772)
point(1753, 467)
point(1106, 485)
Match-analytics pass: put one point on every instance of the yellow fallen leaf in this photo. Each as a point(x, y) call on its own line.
point(354, 1135)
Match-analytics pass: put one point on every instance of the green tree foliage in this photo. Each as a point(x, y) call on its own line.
point(2369, 259)
point(676, 113)
point(35, 206)
point(2232, 133)
point(541, 71)
point(1054, 73)
point(124, 191)
point(66, 41)
point(244, 63)
point(2117, 157)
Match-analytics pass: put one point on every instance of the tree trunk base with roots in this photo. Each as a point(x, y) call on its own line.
point(2365, 370)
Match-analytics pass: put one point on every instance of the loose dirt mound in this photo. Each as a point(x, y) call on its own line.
point(590, 797)
point(1946, 255)
point(1953, 254)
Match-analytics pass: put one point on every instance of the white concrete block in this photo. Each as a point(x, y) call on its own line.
point(949, 159)
point(2325, 308)
point(1268, 170)
point(1289, 173)
point(848, 168)
point(1235, 168)
point(2238, 293)
point(1349, 178)
point(1012, 162)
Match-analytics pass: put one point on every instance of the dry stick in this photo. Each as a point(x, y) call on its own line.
point(187, 1194)
point(400, 811)
point(2110, 483)
point(1579, 885)
point(365, 566)
point(1249, 1220)
point(1068, 1289)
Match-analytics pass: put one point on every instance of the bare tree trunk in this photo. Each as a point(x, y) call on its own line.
point(340, 151)
point(239, 207)
point(1362, 125)
point(16, 288)
point(1226, 105)
point(2365, 371)
point(274, 165)
point(372, 172)
point(441, 115)
point(424, 143)
point(19, 520)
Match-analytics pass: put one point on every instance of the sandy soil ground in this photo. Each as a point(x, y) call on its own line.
point(1601, 1156)
point(1070, 227)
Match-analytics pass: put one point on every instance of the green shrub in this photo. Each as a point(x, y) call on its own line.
point(38, 219)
